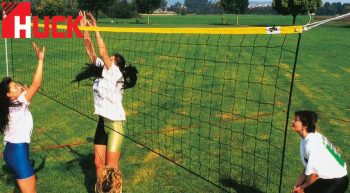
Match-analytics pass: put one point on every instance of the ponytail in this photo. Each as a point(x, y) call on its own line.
point(4, 103)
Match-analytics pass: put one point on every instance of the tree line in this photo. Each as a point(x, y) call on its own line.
point(105, 8)
point(132, 8)
point(333, 9)
point(326, 9)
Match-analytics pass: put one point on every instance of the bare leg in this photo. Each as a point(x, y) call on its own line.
point(27, 185)
point(100, 157)
point(113, 159)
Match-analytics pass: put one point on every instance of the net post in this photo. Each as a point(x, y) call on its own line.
point(288, 112)
point(6, 58)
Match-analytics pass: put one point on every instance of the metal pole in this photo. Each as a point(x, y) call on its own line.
point(6, 59)
point(288, 111)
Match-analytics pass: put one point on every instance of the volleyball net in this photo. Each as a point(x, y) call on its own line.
point(214, 101)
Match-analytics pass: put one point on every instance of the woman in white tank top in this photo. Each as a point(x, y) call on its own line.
point(16, 123)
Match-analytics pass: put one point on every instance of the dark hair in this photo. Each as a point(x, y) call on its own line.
point(92, 71)
point(130, 76)
point(120, 61)
point(308, 119)
point(89, 71)
point(129, 72)
point(5, 103)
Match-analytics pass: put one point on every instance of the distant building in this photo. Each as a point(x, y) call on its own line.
point(254, 4)
point(160, 11)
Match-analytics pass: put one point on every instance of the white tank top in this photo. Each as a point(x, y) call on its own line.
point(20, 125)
point(108, 93)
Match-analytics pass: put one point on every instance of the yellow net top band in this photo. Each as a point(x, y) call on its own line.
point(236, 30)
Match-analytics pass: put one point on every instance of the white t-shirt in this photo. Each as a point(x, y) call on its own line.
point(320, 157)
point(108, 93)
point(20, 126)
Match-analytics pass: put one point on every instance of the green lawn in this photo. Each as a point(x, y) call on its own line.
point(221, 135)
point(227, 20)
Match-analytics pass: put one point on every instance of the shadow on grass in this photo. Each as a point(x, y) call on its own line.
point(344, 26)
point(9, 178)
point(86, 163)
point(240, 188)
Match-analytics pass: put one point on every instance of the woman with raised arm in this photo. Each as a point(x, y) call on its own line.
point(112, 77)
point(16, 123)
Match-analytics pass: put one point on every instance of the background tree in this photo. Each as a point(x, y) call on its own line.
point(178, 8)
point(295, 7)
point(147, 6)
point(163, 4)
point(345, 8)
point(94, 6)
point(197, 6)
point(261, 10)
point(121, 9)
point(50, 8)
point(35, 6)
point(234, 6)
point(71, 8)
point(333, 9)
point(215, 8)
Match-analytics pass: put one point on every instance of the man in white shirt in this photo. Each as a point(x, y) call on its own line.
point(325, 171)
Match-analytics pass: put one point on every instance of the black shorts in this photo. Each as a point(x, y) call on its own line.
point(336, 185)
point(101, 136)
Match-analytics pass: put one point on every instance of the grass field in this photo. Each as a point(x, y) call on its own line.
point(157, 113)
point(204, 20)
